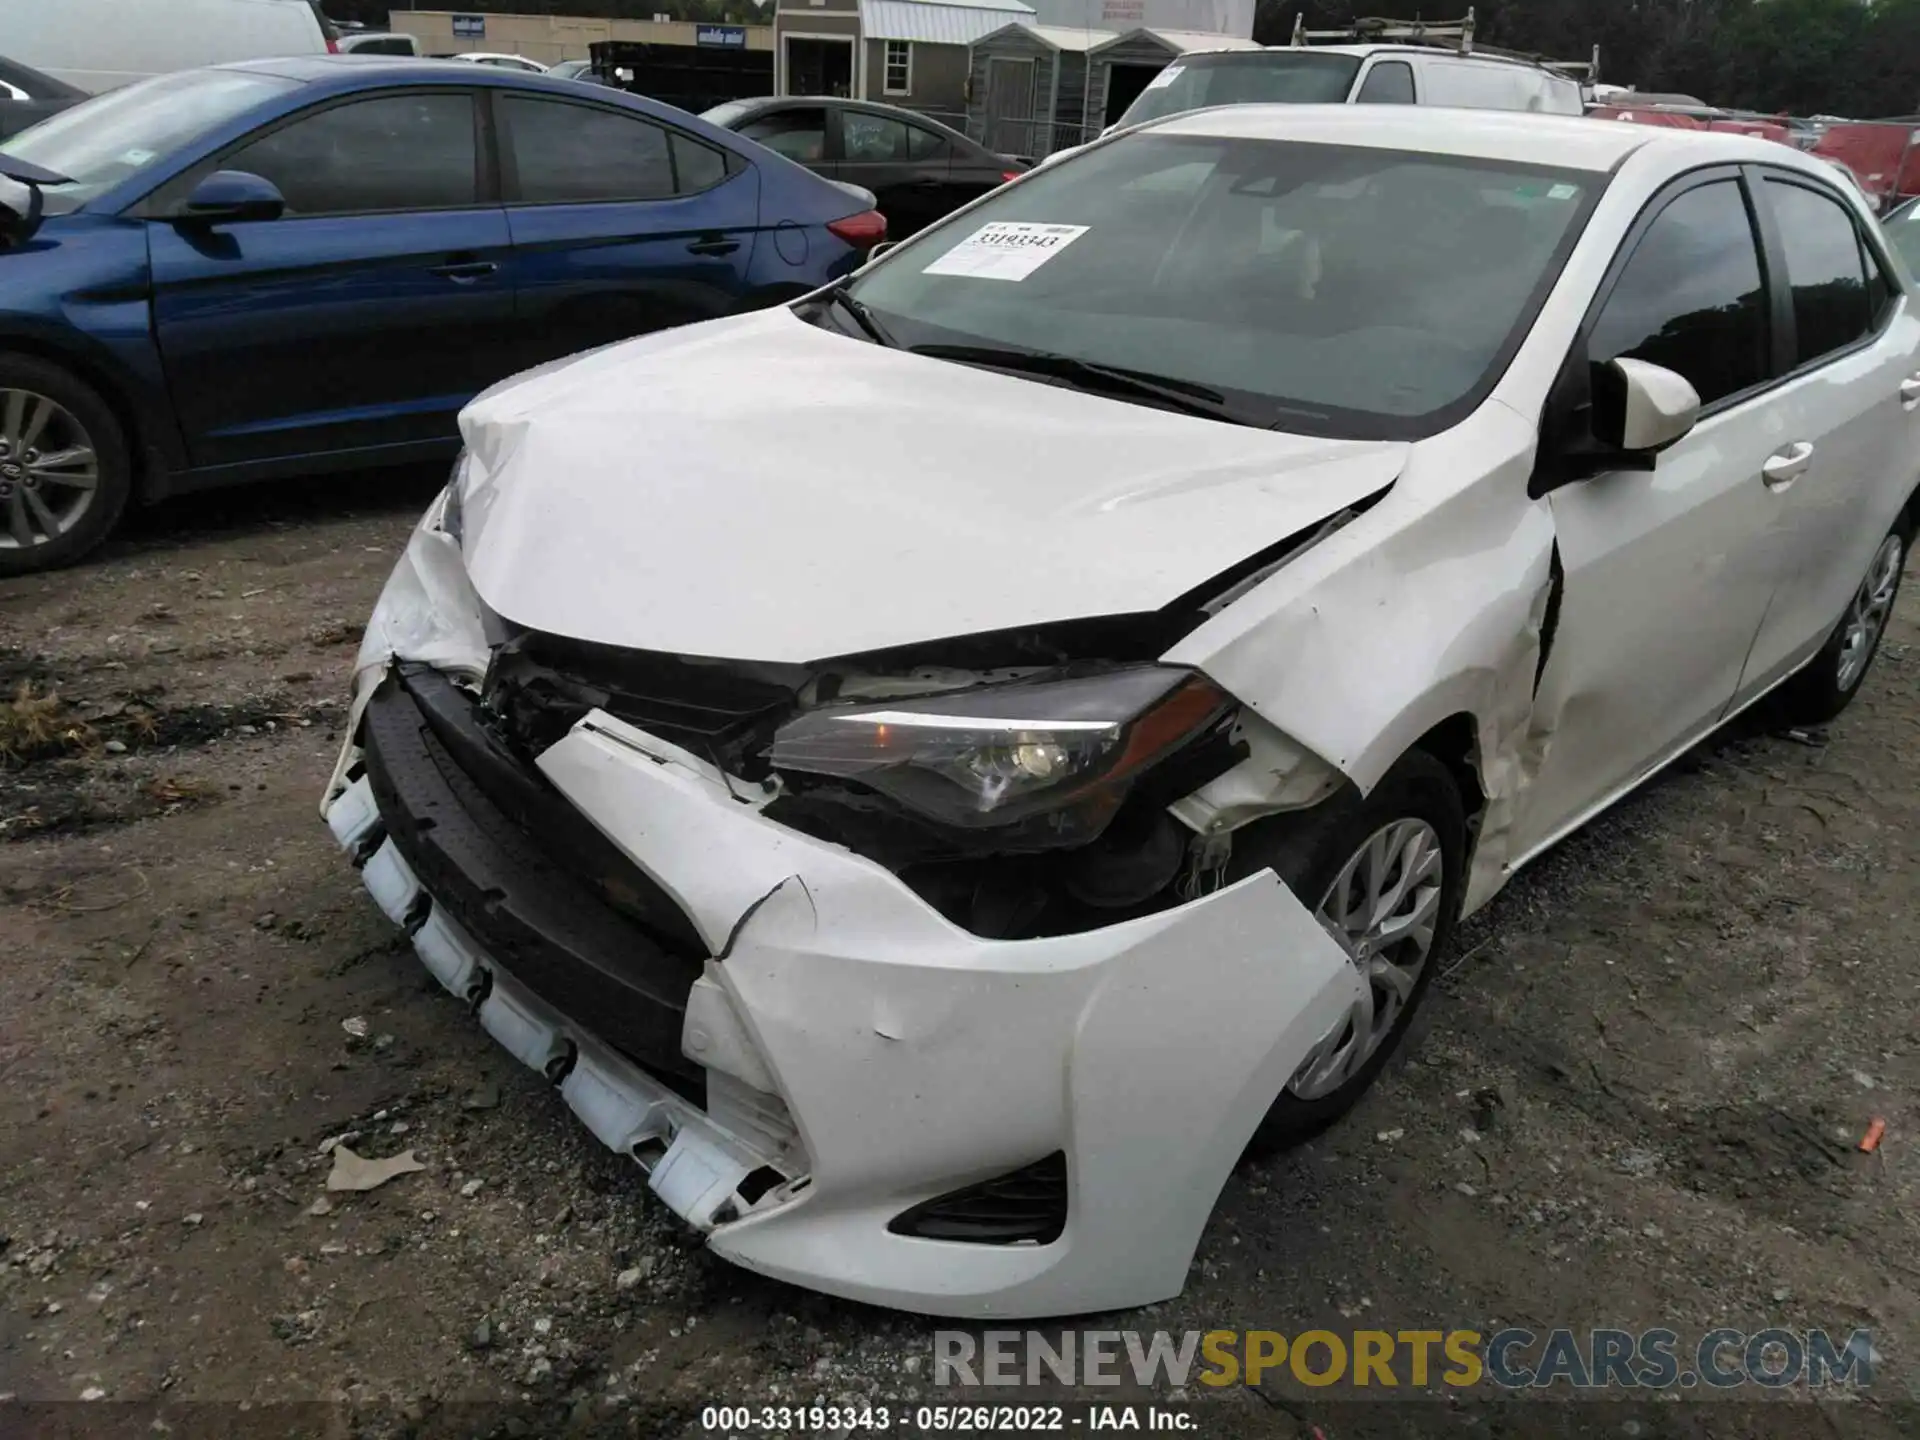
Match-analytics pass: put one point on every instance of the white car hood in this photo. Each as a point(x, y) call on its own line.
point(758, 488)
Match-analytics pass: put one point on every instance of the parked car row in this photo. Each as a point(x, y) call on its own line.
point(316, 262)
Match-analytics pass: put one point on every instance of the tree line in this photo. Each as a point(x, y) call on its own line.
point(1858, 58)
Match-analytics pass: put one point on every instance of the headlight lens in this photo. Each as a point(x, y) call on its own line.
point(1001, 753)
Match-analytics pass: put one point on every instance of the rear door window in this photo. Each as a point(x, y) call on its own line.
point(577, 154)
point(1832, 307)
point(871, 139)
point(799, 134)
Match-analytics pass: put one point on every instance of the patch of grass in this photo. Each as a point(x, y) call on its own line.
point(35, 723)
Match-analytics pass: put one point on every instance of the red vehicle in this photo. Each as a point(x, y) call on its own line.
point(1881, 155)
point(1672, 119)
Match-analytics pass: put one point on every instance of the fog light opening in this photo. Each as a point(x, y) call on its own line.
point(417, 914)
point(650, 1151)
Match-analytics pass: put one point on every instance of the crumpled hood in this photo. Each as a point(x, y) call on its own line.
point(758, 488)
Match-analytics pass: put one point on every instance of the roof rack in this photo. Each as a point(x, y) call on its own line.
point(1454, 35)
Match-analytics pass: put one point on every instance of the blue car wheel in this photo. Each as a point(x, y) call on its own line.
point(64, 469)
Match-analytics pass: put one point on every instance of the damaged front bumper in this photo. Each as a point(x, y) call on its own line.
point(836, 1084)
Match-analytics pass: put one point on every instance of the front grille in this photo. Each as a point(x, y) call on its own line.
point(1027, 1206)
point(520, 793)
point(516, 887)
point(538, 686)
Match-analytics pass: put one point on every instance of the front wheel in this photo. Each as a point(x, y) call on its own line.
point(1832, 678)
point(65, 474)
point(1384, 875)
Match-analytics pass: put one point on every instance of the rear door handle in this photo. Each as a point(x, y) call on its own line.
point(1789, 465)
point(1910, 392)
point(713, 245)
point(463, 272)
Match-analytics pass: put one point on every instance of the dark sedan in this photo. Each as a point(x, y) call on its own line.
point(919, 169)
point(27, 97)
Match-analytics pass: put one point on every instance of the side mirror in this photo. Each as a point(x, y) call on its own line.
point(1616, 416)
point(232, 195)
point(1642, 408)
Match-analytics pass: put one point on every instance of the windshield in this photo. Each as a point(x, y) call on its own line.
point(98, 144)
point(1331, 290)
point(1256, 77)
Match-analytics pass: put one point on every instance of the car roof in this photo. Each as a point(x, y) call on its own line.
point(1563, 142)
point(1362, 51)
point(345, 74)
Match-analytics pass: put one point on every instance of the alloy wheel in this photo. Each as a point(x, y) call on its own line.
point(1384, 909)
point(1867, 616)
point(49, 469)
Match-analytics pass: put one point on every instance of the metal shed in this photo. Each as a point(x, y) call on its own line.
point(1027, 89)
point(1119, 69)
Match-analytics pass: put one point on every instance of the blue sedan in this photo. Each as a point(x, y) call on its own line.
point(298, 265)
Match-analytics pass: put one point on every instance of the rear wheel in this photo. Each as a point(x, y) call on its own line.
point(1832, 678)
point(1383, 874)
point(64, 470)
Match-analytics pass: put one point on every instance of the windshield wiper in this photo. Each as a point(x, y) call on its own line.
point(1101, 379)
point(863, 317)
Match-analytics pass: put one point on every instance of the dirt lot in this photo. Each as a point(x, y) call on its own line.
point(1637, 1102)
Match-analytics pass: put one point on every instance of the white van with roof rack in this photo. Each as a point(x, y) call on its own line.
point(1373, 62)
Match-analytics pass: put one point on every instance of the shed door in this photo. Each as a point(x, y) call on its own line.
point(1010, 106)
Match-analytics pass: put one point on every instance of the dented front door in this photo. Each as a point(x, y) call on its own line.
point(1666, 573)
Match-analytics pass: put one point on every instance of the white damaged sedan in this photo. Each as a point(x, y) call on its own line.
point(937, 770)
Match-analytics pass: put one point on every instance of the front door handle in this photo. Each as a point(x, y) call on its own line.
point(713, 245)
point(1910, 393)
point(1789, 465)
point(463, 272)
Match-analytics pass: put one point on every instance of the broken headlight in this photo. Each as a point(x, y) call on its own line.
point(452, 511)
point(999, 754)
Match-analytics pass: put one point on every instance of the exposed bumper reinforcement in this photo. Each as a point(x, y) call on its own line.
point(692, 1164)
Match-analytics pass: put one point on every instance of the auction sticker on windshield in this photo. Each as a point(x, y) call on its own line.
point(1006, 250)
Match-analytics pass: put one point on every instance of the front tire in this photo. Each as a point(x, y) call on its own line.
point(65, 472)
point(1384, 873)
point(1829, 682)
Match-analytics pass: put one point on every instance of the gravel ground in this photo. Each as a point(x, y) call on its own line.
point(1636, 1102)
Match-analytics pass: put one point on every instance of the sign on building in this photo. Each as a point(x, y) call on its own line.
point(469, 27)
point(726, 37)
